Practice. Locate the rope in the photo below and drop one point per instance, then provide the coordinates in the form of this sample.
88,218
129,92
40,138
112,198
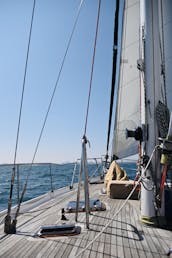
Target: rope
24,82
116,213
49,106
56,84
115,39
92,68
20,112
163,53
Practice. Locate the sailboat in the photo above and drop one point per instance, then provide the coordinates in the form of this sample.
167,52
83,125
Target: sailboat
143,97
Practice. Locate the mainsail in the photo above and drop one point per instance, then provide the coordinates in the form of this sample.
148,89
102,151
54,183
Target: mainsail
128,96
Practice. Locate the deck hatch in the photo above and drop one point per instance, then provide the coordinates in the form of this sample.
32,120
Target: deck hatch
95,205
59,230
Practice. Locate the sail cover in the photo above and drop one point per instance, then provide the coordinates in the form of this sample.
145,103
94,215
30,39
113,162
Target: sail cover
128,96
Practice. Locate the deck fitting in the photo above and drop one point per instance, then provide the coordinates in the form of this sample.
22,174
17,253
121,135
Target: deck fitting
10,227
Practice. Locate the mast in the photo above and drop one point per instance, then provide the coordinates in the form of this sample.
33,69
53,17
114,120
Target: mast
156,45
147,32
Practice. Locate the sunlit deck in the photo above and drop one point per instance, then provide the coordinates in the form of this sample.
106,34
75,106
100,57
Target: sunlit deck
125,237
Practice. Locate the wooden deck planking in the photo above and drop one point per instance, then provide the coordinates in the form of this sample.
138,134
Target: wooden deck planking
97,220
101,244
108,232
136,223
164,241
125,215
57,247
137,232
164,245
114,239
120,247
125,237
107,244
14,249
24,249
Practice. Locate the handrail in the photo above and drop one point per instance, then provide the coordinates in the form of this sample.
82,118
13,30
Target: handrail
75,169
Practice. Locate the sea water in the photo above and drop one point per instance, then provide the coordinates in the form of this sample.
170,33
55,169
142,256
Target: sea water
44,178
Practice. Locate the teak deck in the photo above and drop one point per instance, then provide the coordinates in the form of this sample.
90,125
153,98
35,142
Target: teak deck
125,237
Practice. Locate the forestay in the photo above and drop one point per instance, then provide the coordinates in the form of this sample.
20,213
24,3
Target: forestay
128,97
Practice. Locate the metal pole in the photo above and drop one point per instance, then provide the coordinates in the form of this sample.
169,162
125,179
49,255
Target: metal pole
18,184
96,162
78,192
86,189
73,176
51,179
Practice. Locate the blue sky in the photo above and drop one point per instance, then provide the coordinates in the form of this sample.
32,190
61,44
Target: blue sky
53,21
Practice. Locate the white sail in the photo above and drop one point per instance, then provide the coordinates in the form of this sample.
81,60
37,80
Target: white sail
128,99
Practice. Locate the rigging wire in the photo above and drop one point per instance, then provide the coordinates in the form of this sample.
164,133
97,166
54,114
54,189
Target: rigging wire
92,68
49,106
20,111
163,53
153,31
57,81
24,82
115,51
83,165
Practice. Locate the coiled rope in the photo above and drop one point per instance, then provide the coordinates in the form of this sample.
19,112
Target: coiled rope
125,202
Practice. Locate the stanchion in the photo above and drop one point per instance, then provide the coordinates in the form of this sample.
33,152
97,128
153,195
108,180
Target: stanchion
83,168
